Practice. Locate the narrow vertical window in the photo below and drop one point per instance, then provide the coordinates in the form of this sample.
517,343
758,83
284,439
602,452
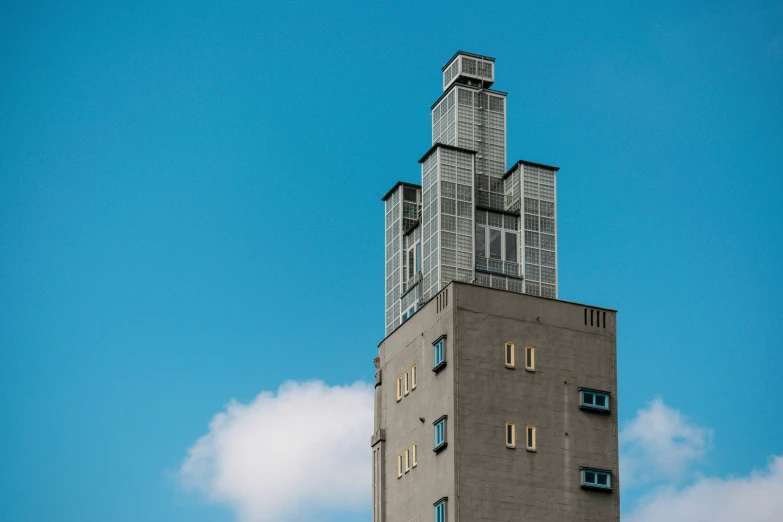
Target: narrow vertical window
440,433
481,242
511,247
509,355
413,377
494,244
530,358
414,455
438,353
399,389
407,383
530,443
591,317
440,511
399,465
407,460
418,257
511,436
604,314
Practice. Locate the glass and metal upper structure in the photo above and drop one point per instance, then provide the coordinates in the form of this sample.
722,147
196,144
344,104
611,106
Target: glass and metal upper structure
471,219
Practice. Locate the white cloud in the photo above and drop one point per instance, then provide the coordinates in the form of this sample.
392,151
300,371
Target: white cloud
755,498
660,444
297,455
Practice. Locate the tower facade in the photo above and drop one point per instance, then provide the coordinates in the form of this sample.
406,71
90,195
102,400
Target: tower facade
494,401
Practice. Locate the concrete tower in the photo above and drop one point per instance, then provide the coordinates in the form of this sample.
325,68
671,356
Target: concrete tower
494,401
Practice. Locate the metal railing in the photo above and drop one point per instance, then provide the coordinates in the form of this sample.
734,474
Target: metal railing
496,201
411,215
497,266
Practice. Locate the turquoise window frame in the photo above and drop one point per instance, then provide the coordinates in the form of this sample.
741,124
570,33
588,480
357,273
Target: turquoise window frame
438,355
585,395
440,511
591,478
440,432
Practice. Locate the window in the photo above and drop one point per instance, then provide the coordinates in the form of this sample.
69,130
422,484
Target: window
481,239
511,246
439,356
509,355
440,510
530,442
407,383
399,389
413,377
594,478
594,400
511,436
399,465
494,244
530,358
440,433
414,455
407,460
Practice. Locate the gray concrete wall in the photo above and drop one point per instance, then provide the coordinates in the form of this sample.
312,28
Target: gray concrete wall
495,483
411,497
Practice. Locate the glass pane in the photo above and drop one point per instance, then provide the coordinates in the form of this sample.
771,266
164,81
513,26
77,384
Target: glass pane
588,398
600,400
589,477
530,437
494,243
511,246
418,257
602,479
481,239
509,436
529,354
508,354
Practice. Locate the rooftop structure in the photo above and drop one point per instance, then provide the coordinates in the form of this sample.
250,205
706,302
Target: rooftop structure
471,219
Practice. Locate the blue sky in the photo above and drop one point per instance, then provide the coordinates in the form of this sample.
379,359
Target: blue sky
190,212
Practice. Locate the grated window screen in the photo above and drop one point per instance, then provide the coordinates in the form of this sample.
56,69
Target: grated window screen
531,239
531,222
547,242
496,103
464,226
547,225
464,209
547,258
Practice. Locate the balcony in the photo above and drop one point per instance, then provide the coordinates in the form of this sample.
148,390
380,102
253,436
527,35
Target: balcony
496,201
411,216
497,266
